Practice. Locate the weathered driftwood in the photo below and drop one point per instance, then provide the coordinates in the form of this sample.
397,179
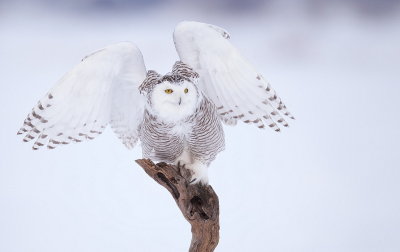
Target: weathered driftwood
198,203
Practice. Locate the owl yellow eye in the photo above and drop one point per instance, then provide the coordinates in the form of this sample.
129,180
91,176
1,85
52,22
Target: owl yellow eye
186,90
168,91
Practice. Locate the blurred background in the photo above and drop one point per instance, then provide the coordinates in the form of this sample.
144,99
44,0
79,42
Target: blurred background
330,182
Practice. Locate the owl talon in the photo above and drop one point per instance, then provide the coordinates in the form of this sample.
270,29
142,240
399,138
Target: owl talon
199,174
180,167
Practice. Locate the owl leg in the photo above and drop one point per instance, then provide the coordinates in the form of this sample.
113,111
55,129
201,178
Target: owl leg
184,159
198,169
180,166
200,173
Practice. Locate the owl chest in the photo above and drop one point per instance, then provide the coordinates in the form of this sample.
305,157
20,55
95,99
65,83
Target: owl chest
156,131
181,130
164,142
169,131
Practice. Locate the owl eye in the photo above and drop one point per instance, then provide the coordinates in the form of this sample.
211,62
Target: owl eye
168,91
186,90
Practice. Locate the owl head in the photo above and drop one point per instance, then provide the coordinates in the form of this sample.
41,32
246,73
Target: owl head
174,96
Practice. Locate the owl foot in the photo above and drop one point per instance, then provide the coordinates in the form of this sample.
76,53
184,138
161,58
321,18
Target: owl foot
182,170
199,173
195,173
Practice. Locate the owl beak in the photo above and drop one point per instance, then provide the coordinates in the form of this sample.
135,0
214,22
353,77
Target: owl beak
180,100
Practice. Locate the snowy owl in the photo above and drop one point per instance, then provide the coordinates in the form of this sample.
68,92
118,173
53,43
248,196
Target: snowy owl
177,117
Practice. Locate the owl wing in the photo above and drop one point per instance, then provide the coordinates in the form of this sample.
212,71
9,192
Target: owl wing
238,91
101,89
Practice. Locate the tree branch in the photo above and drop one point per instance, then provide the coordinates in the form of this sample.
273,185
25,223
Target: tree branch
198,203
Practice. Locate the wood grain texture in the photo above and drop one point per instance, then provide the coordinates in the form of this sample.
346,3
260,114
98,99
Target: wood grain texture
198,203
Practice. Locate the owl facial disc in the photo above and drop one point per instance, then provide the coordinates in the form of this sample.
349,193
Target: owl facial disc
174,101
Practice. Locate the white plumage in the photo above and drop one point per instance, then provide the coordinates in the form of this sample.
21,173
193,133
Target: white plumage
176,116
227,78
101,89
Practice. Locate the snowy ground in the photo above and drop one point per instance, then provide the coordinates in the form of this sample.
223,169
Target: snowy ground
328,183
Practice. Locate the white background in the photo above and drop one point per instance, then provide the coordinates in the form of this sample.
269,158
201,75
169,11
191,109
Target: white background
330,182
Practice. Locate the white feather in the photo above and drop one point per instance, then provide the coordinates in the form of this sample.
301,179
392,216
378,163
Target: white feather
226,77
101,89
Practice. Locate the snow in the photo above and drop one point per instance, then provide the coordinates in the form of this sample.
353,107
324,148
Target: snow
330,182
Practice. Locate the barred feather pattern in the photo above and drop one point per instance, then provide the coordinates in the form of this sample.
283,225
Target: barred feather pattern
182,69
157,142
101,89
37,127
201,134
206,138
239,92
152,79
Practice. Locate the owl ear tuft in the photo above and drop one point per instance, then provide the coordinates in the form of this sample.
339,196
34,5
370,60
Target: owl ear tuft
184,70
152,79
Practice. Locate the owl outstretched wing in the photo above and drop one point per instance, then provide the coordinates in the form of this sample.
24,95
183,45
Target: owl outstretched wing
238,91
102,89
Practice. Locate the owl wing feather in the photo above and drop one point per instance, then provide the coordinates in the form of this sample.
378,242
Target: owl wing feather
238,91
101,89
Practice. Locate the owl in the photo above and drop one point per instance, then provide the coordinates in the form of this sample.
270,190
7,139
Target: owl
177,117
